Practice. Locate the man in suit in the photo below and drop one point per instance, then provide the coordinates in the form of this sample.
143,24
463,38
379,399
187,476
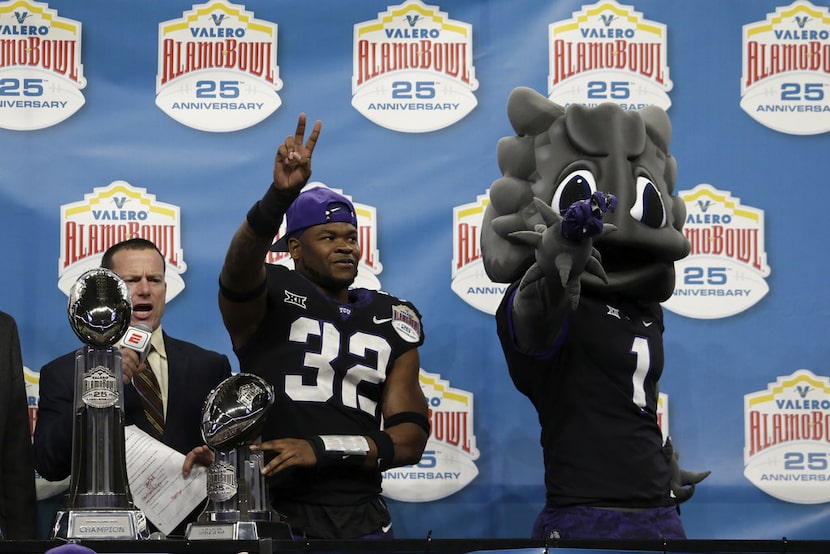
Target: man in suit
185,373
17,475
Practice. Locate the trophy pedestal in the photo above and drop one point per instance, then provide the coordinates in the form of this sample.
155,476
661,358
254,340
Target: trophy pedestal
238,507
238,530
101,525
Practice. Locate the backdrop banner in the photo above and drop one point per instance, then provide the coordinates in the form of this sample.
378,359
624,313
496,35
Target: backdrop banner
160,119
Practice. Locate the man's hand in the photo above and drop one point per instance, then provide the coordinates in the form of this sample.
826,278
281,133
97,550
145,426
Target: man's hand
292,164
288,453
201,455
129,365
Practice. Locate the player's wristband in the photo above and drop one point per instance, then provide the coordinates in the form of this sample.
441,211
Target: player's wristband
386,448
265,216
339,449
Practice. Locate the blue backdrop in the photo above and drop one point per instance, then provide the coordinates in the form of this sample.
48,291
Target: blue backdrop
410,184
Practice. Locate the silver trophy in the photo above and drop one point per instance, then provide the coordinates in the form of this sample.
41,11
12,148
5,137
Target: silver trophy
238,504
99,503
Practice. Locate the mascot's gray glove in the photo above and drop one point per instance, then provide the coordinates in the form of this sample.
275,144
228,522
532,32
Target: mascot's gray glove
682,482
564,244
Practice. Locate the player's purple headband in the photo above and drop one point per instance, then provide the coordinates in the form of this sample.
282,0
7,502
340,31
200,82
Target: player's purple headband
314,206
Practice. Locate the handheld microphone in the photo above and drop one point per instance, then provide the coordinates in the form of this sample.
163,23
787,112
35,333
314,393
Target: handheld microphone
137,338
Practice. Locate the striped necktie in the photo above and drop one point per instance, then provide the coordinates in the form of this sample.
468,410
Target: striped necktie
148,389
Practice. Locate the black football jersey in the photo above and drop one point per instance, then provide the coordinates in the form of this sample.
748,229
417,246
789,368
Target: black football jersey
328,363
596,396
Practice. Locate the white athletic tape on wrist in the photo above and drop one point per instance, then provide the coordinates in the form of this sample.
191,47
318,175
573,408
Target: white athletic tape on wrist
347,445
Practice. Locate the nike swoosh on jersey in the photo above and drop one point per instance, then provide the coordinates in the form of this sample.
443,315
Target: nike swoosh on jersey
647,323
385,528
379,320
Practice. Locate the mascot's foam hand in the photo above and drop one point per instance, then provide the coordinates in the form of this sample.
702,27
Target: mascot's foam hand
682,482
583,218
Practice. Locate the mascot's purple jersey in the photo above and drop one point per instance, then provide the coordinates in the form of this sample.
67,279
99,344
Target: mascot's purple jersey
597,400
584,226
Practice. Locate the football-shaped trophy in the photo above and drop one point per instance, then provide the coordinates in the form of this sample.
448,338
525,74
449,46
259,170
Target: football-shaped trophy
234,412
238,504
99,503
100,307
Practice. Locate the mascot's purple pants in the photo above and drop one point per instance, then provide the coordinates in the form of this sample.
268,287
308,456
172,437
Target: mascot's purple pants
582,522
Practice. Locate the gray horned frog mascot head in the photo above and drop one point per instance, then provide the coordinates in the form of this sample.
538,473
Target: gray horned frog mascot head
598,172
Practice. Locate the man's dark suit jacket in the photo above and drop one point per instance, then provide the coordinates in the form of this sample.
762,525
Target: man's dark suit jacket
18,503
192,373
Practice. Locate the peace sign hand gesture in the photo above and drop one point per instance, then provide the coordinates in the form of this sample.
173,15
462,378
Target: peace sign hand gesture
292,164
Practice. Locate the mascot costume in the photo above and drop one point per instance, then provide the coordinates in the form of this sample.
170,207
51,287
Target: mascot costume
583,226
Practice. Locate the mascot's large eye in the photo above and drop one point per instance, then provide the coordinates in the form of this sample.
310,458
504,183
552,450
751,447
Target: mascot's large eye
578,185
648,207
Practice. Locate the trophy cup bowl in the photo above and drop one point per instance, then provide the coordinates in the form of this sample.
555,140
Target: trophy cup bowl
100,307
234,412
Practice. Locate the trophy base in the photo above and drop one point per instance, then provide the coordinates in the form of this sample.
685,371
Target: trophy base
213,528
101,525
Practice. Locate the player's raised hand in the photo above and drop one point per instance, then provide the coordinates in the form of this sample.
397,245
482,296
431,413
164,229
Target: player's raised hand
292,164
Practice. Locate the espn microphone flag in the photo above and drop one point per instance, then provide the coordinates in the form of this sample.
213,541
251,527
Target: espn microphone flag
138,338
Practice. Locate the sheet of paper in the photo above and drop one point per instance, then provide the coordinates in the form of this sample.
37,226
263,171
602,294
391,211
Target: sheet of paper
156,482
